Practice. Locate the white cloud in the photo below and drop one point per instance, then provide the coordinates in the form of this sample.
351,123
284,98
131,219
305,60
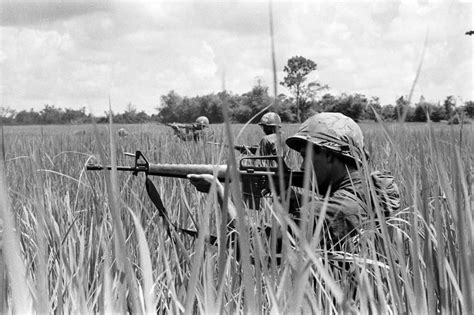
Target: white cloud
138,51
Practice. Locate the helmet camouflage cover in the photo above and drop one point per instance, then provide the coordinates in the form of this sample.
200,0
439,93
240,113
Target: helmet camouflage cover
332,131
202,120
270,119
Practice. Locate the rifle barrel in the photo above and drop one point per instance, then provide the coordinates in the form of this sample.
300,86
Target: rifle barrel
183,170
169,170
98,167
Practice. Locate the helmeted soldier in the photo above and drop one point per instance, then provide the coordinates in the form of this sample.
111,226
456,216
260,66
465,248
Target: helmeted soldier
202,122
271,143
195,131
334,145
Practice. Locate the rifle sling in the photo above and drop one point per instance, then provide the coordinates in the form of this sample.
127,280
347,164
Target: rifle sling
156,199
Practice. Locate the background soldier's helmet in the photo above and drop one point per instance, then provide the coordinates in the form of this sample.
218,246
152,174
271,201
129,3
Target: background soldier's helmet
202,120
332,131
270,119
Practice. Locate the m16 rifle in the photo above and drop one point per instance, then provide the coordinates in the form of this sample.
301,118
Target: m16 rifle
244,149
191,127
191,132
256,176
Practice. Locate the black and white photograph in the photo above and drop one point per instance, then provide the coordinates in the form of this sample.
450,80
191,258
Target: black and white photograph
236,156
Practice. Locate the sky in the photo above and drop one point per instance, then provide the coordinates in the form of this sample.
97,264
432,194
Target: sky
74,54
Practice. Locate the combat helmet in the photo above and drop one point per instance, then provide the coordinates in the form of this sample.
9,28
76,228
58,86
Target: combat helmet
332,131
270,119
203,121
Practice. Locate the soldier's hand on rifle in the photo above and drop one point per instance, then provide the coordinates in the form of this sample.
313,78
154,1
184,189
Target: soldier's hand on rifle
174,126
203,182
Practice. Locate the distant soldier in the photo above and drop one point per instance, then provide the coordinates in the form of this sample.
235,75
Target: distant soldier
195,131
123,133
79,133
271,143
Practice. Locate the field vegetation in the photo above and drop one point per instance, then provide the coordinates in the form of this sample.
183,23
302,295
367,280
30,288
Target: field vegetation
86,242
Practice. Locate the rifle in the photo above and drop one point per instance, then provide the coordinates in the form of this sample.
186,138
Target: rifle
193,126
257,173
244,149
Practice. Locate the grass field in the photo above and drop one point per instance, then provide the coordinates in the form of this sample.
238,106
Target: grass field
74,241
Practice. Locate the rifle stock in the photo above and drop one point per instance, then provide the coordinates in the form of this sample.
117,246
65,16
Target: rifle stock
255,173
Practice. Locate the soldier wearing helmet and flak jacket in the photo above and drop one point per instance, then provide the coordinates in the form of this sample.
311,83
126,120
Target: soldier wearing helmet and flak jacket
195,131
334,143
333,146
271,143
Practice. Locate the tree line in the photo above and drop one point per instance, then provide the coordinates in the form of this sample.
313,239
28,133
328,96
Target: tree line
307,99
176,108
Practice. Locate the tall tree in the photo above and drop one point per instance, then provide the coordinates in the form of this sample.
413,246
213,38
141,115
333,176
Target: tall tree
420,112
388,113
449,106
349,105
257,98
51,115
436,113
7,114
402,109
372,105
169,105
28,117
297,70
469,109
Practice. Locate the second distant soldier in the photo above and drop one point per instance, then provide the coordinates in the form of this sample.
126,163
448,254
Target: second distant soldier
271,143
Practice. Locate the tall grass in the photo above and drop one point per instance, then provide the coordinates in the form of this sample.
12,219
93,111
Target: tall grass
76,241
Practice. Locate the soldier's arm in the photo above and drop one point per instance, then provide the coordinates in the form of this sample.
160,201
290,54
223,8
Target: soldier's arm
342,213
265,147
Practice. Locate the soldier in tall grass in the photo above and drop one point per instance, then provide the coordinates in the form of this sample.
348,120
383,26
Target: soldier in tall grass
271,144
192,132
332,146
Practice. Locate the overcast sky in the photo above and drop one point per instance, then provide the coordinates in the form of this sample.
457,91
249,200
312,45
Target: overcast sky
75,54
